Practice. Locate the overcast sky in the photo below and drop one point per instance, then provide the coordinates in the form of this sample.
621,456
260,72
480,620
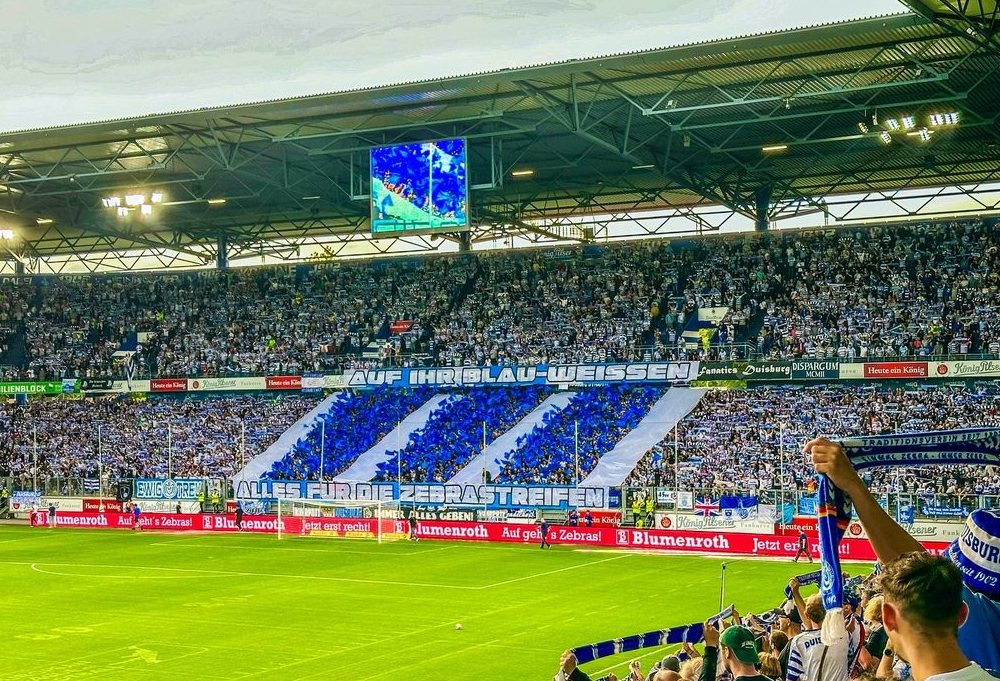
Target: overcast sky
73,61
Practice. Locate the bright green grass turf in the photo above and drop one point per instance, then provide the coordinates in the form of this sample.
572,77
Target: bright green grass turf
86,604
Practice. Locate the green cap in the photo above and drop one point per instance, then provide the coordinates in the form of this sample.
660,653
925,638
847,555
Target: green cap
741,641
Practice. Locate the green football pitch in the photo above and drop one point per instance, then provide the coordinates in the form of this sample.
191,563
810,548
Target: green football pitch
85,604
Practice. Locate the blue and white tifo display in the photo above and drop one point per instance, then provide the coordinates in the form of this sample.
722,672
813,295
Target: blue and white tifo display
420,187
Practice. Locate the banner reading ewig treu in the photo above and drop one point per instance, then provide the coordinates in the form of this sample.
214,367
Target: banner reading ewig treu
608,537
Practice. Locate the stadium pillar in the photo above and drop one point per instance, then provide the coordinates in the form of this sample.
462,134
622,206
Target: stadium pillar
18,268
465,242
762,199
222,252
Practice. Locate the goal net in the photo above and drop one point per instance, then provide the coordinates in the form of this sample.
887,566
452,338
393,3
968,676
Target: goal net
340,519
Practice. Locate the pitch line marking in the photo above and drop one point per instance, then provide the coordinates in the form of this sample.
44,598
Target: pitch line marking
34,566
393,652
233,573
178,544
552,572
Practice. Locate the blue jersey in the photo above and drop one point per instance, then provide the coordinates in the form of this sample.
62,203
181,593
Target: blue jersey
545,527
136,511
979,637
588,519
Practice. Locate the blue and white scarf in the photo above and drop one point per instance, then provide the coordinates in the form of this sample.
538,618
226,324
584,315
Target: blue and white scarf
970,446
803,580
689,633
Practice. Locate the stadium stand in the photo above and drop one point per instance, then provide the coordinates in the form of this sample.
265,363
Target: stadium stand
272,320
209,437
454,432
904,290
729,441
562,307
590,425
343,441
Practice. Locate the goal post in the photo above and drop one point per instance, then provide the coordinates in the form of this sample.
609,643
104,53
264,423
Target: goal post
340,519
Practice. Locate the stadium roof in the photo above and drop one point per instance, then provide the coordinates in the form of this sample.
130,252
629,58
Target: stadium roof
677,128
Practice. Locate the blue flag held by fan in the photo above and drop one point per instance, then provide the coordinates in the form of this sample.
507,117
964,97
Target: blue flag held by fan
970,446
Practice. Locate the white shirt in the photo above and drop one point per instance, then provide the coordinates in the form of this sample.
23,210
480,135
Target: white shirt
806,653
971,673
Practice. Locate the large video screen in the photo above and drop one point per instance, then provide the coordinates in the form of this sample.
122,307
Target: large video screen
420,187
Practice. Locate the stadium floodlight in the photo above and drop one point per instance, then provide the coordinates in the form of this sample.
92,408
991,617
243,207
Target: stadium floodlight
892,124
924,134
216,202
909,122
310,198
525,172
885,137
6,234
135,199
774,147
111,201
156,197
122,211
950,118
44,221
863,127
146,209
646,166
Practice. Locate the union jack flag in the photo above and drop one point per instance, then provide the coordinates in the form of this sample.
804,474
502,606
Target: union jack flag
706,506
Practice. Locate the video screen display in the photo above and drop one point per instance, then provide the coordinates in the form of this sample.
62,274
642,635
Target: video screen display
419,187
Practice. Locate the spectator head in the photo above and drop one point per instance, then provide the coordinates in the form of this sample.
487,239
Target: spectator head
769,666
977,553
738,651
671,662
666,675
791,623
691,669
779,640
815,611
851,603
873,611
922,603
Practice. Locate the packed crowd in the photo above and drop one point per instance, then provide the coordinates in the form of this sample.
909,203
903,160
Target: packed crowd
210,437
561,308
590,425
257,321
882,292
854,292
752,440
915,617
15,299
457,431
733,442
336,440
